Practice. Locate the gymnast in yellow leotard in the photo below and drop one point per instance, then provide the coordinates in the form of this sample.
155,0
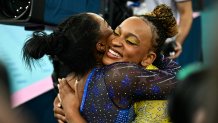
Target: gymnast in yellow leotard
151,111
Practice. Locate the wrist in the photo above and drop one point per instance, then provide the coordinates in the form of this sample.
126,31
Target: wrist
74,116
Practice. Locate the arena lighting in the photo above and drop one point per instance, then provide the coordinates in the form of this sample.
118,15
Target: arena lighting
21,12
15,9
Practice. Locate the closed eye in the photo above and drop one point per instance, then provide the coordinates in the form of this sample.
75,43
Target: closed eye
132,41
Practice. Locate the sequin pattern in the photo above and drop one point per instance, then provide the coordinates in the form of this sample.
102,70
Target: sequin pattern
151,112
112,91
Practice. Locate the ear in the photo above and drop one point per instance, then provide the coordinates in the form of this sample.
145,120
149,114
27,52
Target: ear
148,59
100,46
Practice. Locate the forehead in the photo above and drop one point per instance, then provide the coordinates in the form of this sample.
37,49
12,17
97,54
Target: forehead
135,23
97,17
103,24
136,26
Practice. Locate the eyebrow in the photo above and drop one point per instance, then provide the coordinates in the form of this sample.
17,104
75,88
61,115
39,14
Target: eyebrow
129,33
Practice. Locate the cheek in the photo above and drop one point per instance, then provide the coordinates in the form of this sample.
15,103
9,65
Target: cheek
135,50
107,33
136,54
106,61
110,38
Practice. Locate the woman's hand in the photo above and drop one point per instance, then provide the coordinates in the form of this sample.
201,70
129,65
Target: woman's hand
58,111
178,51
70,101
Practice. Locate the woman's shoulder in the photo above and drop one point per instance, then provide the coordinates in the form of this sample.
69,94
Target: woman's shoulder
123,65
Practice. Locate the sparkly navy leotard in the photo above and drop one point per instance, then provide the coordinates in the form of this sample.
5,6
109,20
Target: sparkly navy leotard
111,91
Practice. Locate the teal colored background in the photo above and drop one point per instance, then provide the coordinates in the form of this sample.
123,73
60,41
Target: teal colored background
209,32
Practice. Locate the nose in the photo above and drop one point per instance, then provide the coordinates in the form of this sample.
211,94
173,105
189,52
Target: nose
116,41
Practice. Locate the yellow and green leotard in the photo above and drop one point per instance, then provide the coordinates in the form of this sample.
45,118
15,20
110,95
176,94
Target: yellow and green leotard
151,111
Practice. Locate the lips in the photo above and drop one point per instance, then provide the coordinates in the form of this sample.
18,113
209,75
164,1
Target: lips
113,54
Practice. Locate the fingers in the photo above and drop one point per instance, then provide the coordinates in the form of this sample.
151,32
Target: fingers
60,118
66,93
59,111
57,101
64,89
178,51
70,100
72,82
62,83
59,114
175,55
64,86
60,121
58,96
76,88
76,85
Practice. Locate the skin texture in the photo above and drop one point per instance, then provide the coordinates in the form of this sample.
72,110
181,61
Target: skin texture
124,47
66,89
131,42
74,91
132,37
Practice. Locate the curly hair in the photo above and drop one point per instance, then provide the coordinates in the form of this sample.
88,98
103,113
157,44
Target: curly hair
163,25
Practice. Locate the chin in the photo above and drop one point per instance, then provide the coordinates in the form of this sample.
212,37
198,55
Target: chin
107,61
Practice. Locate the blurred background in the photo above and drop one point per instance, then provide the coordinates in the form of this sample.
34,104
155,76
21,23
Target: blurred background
32,91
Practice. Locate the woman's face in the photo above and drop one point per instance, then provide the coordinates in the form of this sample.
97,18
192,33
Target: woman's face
130,42
105,32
